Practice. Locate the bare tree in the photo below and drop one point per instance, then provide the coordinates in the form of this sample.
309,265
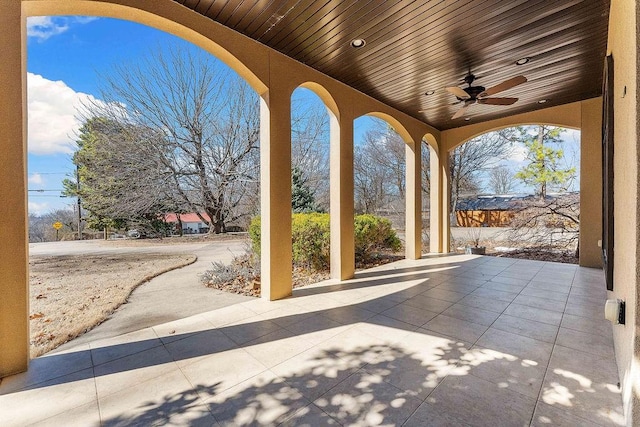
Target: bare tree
41,226
379,170
470,159
209,125
501,180
120,167
426,171
310,148
548,221
551,222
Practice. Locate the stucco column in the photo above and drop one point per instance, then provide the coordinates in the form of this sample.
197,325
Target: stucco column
445,196
14,278
439,201
413,212
341,182
275,194
591,183
435,202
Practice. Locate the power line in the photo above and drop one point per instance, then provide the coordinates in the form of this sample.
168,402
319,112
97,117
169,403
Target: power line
49,173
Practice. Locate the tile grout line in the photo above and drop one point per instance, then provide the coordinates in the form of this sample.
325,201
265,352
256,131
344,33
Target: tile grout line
457,363
95,385
546,369
480,337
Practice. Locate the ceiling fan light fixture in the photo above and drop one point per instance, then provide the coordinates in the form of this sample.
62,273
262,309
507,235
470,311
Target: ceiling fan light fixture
523,61
358,43
430,92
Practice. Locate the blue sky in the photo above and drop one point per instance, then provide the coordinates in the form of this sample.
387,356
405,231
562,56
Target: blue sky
64,57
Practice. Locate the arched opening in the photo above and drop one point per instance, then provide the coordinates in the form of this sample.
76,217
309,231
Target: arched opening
427,151
310,179
168,146
515,191
380,186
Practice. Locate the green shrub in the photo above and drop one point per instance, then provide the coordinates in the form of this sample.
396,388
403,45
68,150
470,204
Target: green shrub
310,238
254,234
373,233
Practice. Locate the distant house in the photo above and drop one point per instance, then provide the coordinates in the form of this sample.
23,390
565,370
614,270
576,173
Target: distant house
191,222
487,211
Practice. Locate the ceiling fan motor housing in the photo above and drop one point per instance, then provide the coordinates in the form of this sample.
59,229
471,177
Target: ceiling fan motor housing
473,92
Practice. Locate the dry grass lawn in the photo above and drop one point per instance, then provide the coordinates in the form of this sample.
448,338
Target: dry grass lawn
72,294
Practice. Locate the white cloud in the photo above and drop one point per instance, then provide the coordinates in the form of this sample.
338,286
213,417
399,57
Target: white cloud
519,153
570,137
38,208
53,107
44,27
36,179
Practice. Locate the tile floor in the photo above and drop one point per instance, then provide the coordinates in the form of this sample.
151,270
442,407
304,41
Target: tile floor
455,340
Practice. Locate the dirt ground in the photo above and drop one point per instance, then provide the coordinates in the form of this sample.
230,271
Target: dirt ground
72,294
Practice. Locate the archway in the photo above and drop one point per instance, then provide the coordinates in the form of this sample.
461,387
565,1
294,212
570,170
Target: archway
248,178
516,189
387,177
429,194
310,180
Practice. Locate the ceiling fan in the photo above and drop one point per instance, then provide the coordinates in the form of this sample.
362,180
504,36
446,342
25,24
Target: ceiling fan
478,94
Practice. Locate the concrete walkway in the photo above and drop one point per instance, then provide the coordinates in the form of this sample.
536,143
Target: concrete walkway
170,296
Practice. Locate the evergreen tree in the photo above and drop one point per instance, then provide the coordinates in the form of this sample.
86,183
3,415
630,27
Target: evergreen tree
118,174
544,168
302,199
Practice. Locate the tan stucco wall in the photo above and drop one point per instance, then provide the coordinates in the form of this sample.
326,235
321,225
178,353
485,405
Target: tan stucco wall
14,291
623,46
591,183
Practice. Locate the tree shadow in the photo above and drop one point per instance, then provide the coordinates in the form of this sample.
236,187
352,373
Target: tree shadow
332,387
385,384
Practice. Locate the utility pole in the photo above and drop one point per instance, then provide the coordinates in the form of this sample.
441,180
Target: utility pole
79,203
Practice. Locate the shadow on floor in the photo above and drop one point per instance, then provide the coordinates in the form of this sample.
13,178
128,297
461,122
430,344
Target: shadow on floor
424,378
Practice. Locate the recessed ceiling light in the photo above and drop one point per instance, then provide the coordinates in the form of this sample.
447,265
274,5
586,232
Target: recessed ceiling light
523,61
466,119
358,43
430,92
542,101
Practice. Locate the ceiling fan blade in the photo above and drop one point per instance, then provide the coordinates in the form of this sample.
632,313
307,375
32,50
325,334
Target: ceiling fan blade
457,92
462,110
497,101
507,84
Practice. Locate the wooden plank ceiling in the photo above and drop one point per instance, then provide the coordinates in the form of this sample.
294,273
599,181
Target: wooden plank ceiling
413,47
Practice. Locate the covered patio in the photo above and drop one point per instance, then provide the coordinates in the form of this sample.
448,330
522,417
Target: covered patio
444,340
440,339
